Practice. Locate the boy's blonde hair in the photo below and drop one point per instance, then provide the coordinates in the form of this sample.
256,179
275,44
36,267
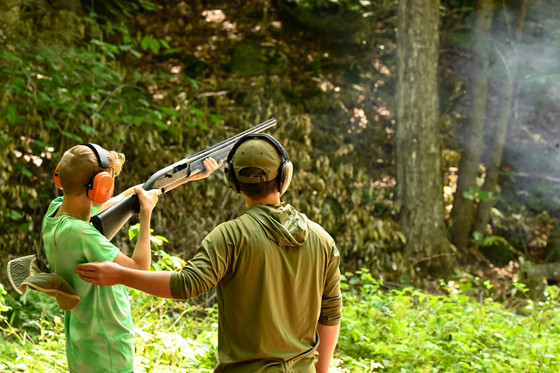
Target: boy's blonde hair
79,164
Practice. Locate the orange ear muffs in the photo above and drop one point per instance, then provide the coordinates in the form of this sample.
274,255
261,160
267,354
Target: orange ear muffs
56,178
101,187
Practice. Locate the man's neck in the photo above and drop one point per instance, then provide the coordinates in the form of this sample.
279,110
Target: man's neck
270,199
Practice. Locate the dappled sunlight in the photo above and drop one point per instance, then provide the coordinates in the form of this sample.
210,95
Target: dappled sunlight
37,161
382,68
385,182
176,69
218,17
28,156
214,16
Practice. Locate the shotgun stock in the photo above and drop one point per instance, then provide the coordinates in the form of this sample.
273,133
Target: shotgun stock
111,220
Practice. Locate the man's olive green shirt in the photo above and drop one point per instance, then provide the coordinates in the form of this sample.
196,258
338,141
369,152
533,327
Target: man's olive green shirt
276,275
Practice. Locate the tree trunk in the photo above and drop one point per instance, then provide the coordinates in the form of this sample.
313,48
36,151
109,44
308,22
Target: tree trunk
418,150
491,180
463,209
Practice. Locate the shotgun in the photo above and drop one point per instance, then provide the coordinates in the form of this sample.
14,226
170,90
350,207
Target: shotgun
111,220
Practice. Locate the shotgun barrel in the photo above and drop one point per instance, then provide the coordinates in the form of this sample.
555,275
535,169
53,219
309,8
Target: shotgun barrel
111,220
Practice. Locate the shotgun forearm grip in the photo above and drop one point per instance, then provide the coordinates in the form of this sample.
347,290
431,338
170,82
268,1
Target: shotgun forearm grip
110,221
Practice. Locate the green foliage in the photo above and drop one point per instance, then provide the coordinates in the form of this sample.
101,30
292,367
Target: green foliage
496,248
153,44
333,190
405,329
31,333
3,306
23,310
401,329
173,334
477,194
57,93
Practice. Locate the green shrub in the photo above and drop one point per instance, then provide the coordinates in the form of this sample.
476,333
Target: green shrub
405,329
398,330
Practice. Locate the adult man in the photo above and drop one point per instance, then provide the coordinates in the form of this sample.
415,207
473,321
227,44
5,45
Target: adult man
276,272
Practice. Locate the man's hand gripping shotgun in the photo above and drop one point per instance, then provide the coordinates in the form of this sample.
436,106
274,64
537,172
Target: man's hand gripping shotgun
111,220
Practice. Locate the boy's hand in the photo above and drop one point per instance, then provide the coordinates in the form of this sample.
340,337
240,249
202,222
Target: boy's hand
104,273
148,198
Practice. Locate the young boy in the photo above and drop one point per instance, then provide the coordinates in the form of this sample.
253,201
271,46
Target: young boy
99,330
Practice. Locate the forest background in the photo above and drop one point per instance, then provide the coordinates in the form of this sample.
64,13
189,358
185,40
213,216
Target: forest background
159,80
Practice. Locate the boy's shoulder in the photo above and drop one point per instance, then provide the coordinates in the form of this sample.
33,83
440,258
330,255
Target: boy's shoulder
53,206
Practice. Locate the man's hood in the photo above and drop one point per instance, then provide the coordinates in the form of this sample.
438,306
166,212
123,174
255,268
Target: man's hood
283,224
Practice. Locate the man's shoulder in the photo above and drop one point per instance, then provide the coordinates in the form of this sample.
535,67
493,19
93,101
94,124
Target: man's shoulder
319,230
241,220
239,224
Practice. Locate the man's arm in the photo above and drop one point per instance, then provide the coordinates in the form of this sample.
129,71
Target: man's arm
110,273
328,326
328,337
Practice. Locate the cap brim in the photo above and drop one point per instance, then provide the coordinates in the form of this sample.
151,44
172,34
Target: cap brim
30,271
21,268
55,286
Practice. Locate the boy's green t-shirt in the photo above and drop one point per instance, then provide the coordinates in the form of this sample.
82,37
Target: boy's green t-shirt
99,331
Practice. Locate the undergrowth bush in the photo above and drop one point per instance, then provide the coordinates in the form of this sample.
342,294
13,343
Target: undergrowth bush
407,330
383,330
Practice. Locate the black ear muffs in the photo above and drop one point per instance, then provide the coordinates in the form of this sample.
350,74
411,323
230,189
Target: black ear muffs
285,170
101,185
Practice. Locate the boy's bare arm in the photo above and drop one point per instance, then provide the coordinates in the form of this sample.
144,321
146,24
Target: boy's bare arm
110,273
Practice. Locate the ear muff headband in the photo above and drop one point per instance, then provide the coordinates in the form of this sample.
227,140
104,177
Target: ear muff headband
101,185
100,154
285,170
